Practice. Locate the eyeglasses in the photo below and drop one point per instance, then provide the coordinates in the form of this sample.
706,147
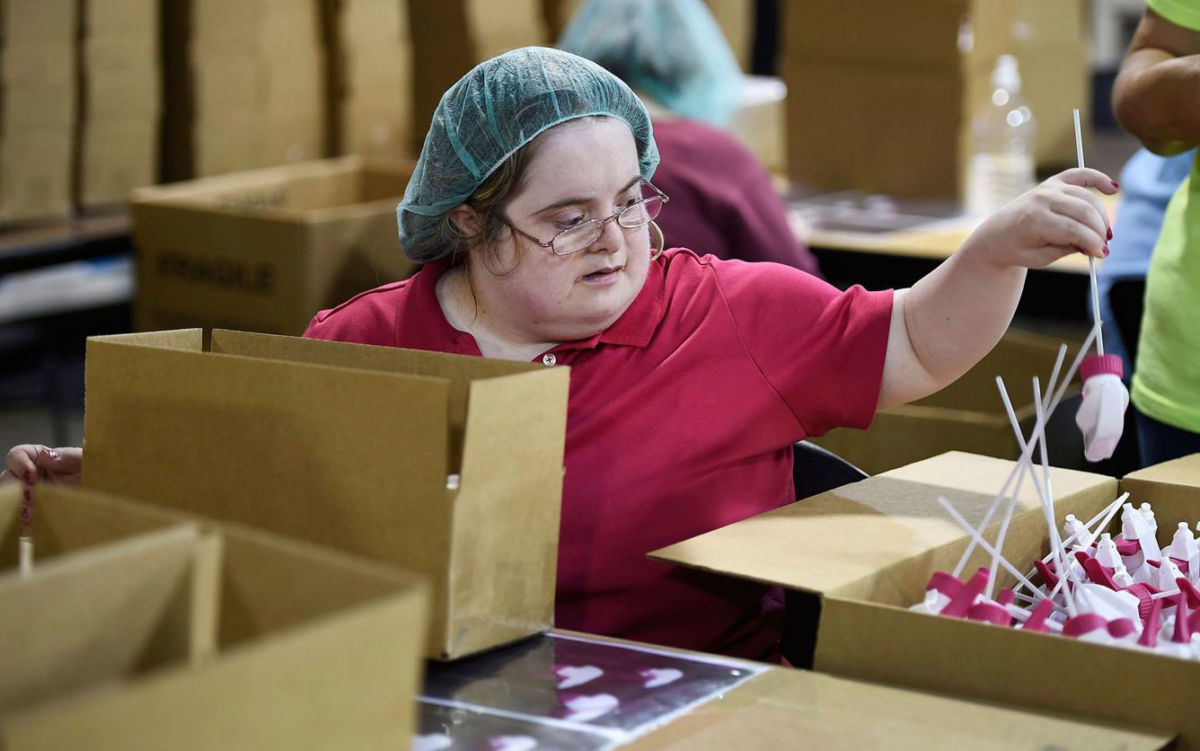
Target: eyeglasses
574,239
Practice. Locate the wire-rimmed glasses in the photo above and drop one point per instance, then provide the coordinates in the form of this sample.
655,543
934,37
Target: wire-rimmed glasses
574,239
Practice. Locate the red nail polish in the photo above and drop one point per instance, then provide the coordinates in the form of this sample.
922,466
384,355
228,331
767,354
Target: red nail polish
1110,234
1116,185
1105,250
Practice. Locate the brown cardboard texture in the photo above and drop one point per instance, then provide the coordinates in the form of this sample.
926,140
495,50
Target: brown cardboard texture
967,415
37,109
265,250
206,638
121,92
451,37
245,85
882,94
372,91
350,447
792,708
868,550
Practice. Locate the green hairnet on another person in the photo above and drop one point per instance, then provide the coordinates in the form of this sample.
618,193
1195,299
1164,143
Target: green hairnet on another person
494,110
670,50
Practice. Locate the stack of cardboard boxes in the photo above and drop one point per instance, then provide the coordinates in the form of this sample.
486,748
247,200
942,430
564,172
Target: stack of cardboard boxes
372,70
881,94
37,108
121,84
245,83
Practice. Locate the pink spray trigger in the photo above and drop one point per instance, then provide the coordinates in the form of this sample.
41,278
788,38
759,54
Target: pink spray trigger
1128,548
1121,628
1151,625
1083,624
1048,576
1189,589
1101,415
1037,619
1097,573
990,612
945,584
962,602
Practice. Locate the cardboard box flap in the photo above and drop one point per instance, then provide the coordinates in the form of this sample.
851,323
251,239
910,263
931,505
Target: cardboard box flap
831,542
1173,491
101,615
460,371
520,567
290,191
61,524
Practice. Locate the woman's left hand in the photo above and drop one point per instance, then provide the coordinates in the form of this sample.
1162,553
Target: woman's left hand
1059,217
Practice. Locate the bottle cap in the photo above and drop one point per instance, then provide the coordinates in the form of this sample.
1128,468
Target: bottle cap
1099,364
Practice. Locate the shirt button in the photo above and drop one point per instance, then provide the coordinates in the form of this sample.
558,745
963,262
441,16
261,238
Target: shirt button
548,360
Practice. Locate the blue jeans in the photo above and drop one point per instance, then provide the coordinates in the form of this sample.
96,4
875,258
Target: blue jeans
1160,442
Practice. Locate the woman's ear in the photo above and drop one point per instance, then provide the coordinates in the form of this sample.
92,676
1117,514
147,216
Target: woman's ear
467,220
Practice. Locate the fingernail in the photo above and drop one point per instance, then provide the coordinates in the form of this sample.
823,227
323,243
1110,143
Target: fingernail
54,454
1116,185
1105,250
1110,234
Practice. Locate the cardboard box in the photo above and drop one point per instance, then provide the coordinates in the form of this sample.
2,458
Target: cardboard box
350,447
793,708
760,122
882,94
265,250
451,37
245,85
37,109
868,549
201,637
121,85
968,415
371,89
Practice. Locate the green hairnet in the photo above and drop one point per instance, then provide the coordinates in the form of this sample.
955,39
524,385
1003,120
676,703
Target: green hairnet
672,50
494,110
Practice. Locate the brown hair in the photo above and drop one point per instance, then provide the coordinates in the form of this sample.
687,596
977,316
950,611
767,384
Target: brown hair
489,201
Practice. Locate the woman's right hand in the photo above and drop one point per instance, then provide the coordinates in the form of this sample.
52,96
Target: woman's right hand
32,463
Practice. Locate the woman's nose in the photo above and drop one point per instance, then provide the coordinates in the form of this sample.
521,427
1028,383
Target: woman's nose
610,238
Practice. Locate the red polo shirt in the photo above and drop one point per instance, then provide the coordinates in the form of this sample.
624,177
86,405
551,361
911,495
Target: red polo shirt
680,420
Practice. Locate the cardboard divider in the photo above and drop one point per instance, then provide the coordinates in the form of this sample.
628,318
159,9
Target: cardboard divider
206,637
891,536
264,250
285,434
100,616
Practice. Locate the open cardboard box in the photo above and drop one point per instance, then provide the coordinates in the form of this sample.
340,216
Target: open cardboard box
967,415
795,708
868,549
199,637
265,250
350,447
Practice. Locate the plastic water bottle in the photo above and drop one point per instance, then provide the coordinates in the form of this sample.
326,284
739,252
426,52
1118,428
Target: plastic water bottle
1002,142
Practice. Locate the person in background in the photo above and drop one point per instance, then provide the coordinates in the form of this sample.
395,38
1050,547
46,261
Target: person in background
1156,97
674,55
1147,183
532,210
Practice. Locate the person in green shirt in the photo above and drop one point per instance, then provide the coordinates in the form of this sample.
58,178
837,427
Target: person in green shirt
1156,97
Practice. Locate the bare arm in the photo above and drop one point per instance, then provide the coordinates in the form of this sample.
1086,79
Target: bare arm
954,316
1156,96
